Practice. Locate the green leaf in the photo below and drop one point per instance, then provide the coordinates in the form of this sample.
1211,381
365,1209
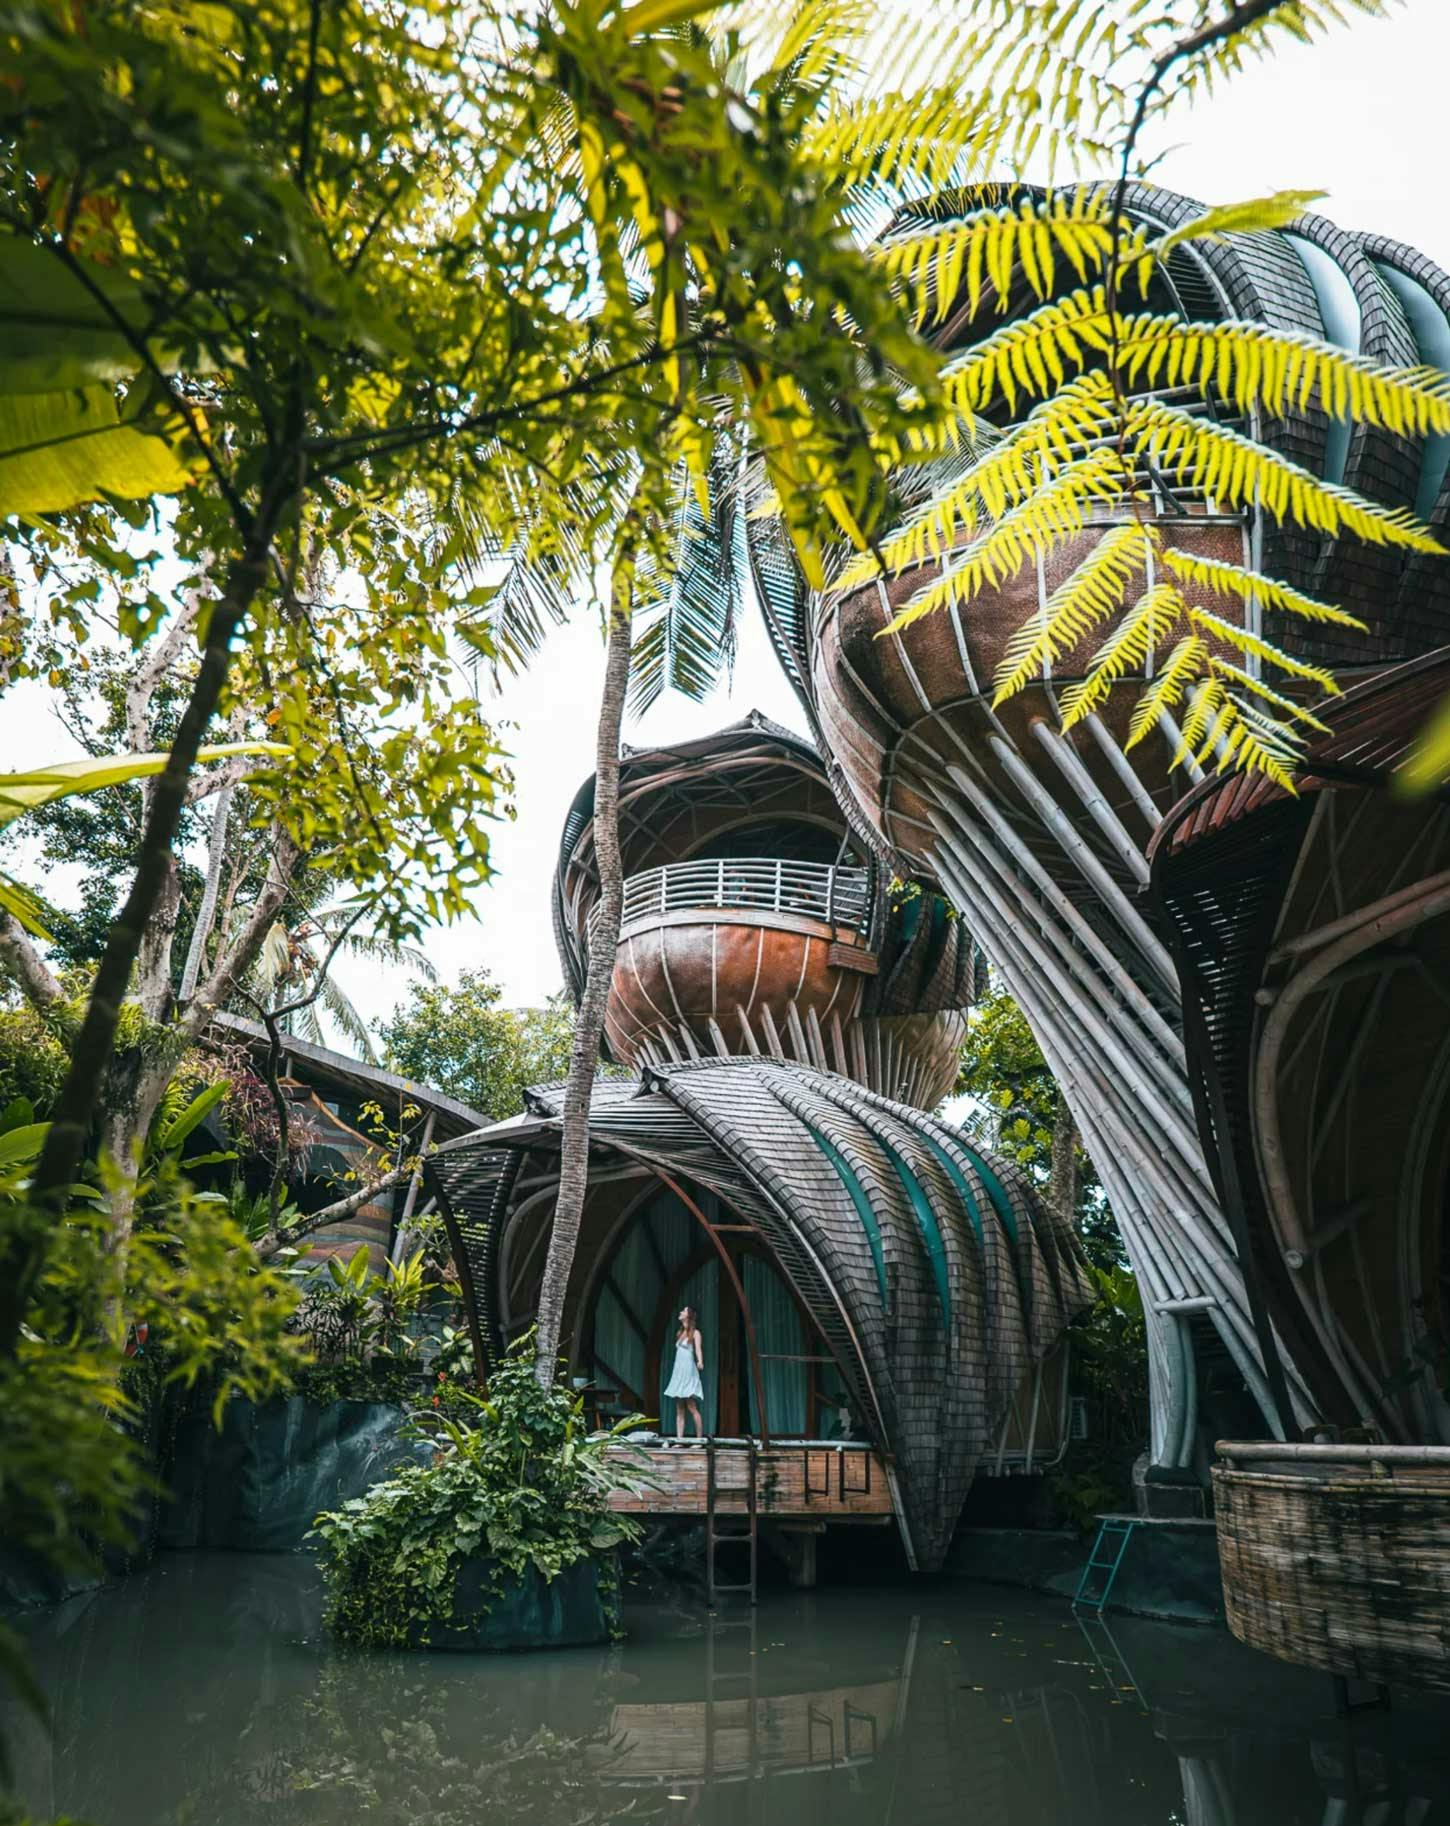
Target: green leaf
22,1144
55,333
195,1113
61,450
24,792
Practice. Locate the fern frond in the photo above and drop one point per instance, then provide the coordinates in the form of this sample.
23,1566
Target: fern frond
1239,472
1052,513
1090,596
1240,584
1146,626
909,141
1251,364
1051,438
1248,642
1225,668
1185,663
1202,709
990,246
1255,744
1030,355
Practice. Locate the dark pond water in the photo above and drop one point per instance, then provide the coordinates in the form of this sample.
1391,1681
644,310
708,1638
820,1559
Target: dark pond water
203,1693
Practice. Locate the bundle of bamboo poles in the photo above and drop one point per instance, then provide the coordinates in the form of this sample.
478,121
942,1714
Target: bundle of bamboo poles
1338,1557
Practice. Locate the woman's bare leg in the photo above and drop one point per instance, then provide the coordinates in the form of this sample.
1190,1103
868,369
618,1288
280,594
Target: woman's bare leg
694,1409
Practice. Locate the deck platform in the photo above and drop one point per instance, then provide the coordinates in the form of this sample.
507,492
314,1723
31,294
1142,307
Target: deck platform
796,1480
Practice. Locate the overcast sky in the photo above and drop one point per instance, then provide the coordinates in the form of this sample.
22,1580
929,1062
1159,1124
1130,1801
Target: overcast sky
1361,117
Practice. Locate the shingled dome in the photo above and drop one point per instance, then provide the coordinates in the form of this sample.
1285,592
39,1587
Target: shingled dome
892,1273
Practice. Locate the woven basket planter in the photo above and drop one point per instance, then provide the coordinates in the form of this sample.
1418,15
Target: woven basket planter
1338,1557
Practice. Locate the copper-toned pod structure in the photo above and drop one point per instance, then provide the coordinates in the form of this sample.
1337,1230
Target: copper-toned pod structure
755,923
1039,835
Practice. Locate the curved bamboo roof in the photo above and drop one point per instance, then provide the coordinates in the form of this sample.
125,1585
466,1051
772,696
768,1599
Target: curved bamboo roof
934,1273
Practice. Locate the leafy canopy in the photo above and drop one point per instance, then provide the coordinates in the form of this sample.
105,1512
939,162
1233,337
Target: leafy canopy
460,1039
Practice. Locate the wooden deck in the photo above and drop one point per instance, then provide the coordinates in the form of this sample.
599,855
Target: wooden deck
800,1481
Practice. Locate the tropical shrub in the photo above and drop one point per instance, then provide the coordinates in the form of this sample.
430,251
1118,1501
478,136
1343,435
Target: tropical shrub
522,1485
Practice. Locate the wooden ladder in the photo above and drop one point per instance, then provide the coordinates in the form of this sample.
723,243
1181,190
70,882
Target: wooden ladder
716,1537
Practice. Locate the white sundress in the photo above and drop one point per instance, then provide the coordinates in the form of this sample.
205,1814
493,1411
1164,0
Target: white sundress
685,1384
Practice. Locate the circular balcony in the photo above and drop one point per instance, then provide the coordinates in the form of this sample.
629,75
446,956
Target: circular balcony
765,890
739,955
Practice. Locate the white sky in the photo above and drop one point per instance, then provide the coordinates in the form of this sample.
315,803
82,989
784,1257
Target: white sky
1361,116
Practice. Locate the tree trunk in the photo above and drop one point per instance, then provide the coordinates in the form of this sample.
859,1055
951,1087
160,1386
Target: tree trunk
1062,1185
23,1249
206,912
588,1030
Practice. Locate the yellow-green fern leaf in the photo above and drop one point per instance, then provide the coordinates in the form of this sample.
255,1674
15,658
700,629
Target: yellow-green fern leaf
1246,641
1007,474
1226,669
1203,706
1240,584
1053,513
1185,663
1093,594
1031,355
1235,471
1428,765
1251,365
1145,627
990,247
1252,216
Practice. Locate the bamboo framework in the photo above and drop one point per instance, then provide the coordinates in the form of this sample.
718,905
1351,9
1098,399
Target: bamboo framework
1040,836
1314,944
936,1281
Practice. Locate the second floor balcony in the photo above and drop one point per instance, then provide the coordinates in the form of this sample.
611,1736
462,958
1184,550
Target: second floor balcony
760,890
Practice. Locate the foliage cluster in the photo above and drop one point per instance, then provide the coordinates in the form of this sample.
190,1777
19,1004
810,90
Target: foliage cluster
1002,1067
522,1484
460,1040
1110,1371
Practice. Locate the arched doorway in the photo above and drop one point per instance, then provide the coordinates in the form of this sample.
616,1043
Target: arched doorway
659,1262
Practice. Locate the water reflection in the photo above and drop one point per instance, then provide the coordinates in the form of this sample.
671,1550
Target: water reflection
203,1691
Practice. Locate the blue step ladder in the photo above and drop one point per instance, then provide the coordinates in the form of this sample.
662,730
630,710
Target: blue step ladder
1114,1533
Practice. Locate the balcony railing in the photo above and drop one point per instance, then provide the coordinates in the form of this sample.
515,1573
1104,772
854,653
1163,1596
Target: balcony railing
838,897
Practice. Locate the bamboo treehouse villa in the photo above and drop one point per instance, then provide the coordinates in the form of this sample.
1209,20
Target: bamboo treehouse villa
883,1303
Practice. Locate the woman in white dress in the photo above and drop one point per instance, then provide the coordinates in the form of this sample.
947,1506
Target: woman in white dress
685,1388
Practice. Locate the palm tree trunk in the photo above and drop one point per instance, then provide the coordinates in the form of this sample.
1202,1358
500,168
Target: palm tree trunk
584,1058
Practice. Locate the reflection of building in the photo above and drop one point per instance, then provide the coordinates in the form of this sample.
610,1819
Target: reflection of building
1039,835
1313,936
863,1271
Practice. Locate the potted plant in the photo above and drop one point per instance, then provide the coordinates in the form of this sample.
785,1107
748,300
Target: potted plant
505,1540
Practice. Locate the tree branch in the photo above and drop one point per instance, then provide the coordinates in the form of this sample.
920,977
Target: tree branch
220,984
27,966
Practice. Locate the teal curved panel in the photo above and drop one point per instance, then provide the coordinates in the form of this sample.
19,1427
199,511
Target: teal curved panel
781,1340
857,1193
930,1229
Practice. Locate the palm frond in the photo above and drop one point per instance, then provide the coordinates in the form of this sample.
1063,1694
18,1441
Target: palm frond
1251,216
1031,355
1145,627
339,1006
1093,594
689,600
